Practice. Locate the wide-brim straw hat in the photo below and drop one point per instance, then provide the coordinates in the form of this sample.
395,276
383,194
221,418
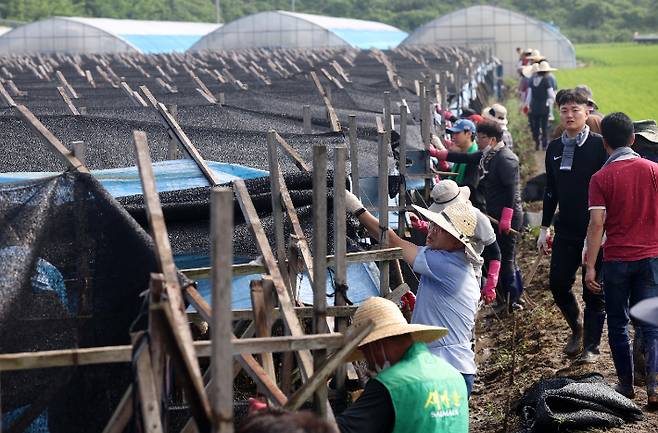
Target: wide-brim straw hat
458,219
544,66
447,192
647,129
389,322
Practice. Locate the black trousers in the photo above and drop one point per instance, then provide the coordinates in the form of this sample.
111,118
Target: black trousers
565,262
539,125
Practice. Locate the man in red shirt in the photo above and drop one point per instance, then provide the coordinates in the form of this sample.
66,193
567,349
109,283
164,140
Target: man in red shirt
623,201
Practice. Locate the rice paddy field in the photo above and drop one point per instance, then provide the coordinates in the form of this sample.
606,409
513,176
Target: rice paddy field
623,77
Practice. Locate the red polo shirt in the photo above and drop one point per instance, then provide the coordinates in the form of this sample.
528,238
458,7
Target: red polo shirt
628,191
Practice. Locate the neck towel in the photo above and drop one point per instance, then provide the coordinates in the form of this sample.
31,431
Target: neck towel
570,147
621,154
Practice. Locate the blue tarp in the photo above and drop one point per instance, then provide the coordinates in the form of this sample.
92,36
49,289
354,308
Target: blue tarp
362,280
173,175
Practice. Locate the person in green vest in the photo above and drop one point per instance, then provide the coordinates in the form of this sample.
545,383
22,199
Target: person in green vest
413,391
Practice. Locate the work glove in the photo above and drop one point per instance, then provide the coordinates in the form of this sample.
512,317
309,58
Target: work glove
418,223
352,203
488,292
545,241
441,155
436,142
505,223
408,301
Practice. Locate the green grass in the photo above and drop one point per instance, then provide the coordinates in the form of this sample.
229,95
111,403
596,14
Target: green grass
623,77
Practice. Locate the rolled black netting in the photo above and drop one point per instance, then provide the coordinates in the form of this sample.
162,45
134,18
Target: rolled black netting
74,264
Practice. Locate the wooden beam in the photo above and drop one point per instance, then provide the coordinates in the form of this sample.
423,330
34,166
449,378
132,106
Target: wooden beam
306,118
65,84
48,138
207,96
247,361
122,414
6,97
68,102
384,140
180,327
261,302
148,396
331,113
290,318
296,157
221,325
353,337
354,155
277,210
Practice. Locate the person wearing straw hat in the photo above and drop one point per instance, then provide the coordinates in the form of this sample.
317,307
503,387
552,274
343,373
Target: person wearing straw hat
623,201
498,113
448,292
413,390
539,103
499,184
447,192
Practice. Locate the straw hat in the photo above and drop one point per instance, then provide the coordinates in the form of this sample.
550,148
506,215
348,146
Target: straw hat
458,219
447,192
544,66
536,56
389,322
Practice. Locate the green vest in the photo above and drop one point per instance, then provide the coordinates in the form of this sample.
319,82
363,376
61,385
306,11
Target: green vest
428,394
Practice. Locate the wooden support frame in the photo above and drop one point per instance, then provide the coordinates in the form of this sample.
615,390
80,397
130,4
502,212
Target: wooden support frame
221,234
384,139
261,291
65,84
67,101
296,157
331,113
289,316
402,192
6,97
353,337
354,155
48,138
176,313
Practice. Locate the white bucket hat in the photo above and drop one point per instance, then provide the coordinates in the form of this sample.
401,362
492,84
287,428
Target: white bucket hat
458,219
497,113
389,322
447,192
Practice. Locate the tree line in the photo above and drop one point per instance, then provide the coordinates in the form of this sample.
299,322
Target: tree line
581,21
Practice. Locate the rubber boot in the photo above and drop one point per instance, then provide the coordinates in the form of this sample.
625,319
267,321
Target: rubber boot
651,356
623,360
639,364
592,329
571,312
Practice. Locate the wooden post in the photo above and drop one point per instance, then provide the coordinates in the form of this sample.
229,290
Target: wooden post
68,102
6,97
277,209
221,233
148,396
261,294
402,194
354,155
319,265
307,119
383,194
172,148
340,250
65,84
79,150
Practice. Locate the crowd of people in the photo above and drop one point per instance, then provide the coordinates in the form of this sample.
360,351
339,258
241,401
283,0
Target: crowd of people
600,175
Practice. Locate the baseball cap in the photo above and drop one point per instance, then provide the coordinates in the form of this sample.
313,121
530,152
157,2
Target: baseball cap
462,125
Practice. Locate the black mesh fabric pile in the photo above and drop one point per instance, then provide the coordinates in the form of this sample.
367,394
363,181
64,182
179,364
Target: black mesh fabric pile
566,404
73,265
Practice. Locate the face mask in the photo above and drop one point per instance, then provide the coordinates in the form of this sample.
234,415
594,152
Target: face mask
387,363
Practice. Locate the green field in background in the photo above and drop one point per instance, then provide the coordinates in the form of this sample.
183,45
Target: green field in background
623,77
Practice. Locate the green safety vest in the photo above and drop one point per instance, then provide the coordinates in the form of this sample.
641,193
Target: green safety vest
428,394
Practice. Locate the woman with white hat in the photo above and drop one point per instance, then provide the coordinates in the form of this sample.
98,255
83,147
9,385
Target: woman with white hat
413,390
539,102
448,292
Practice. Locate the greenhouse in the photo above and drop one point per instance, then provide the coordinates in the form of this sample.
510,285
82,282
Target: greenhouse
102,35
4,30
295,30
502,29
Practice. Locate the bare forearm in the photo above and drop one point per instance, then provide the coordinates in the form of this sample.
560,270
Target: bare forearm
594,237
372,225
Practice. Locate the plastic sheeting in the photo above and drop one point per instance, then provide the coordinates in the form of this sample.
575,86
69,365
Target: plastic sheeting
169,176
